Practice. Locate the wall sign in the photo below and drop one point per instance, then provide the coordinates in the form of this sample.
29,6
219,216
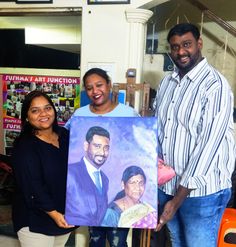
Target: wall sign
64,92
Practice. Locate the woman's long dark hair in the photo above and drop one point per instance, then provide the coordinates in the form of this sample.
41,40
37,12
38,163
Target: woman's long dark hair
26,128
127,174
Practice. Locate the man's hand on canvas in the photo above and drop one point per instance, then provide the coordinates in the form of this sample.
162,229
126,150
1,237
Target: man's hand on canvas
168,213
172,206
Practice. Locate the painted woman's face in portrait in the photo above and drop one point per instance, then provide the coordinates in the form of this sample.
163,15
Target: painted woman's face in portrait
41,114
135,187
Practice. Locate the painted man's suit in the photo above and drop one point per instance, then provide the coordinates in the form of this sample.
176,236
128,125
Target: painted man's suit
84,204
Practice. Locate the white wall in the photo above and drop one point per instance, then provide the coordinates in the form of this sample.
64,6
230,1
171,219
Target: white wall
105,38
105,31
105,34
153,69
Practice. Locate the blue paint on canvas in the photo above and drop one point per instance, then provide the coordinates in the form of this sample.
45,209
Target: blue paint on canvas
133,142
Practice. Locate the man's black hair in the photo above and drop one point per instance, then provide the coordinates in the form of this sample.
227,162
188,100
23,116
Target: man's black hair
183,28
96,130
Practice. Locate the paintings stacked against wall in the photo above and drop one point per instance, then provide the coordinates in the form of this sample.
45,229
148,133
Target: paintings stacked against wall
64,92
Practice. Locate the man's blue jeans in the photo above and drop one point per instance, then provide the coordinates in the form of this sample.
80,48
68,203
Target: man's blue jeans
197,221
115,236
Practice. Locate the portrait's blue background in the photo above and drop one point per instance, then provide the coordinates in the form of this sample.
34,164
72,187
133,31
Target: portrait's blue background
133,141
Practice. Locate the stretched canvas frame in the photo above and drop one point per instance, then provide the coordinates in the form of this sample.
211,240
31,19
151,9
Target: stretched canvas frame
133,142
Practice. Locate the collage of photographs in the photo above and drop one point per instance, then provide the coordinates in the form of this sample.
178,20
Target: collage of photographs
65,96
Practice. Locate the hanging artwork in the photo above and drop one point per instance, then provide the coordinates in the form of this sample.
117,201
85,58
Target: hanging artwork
33,1
112,172
108,1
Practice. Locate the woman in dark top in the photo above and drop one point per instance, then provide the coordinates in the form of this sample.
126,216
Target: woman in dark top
40,167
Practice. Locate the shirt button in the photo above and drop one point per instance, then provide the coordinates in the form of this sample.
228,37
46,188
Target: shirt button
168,119
172,101
164,154
165,137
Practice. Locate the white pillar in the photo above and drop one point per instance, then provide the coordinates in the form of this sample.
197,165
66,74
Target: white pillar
137,19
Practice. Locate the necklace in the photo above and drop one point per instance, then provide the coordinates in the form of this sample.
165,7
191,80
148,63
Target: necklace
126,204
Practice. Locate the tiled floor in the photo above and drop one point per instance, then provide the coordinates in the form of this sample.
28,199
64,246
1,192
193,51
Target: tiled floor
8,242
8,237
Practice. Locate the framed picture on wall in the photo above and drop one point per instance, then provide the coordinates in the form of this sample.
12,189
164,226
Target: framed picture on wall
34,1
108,1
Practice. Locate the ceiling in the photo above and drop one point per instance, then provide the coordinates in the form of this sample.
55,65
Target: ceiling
214,17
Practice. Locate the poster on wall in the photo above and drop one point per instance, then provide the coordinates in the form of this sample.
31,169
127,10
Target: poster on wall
112,172
64,92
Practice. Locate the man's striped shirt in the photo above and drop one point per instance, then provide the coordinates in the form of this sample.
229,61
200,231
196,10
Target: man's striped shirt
195,130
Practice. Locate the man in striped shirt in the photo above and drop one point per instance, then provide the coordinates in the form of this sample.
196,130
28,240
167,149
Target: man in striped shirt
194,106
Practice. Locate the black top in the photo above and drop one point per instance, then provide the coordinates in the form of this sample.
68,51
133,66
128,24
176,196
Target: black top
40,171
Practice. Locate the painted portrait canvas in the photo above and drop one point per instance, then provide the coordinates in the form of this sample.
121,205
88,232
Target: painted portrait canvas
112,172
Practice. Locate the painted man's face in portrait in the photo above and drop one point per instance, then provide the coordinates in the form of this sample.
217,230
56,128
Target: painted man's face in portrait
97,150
